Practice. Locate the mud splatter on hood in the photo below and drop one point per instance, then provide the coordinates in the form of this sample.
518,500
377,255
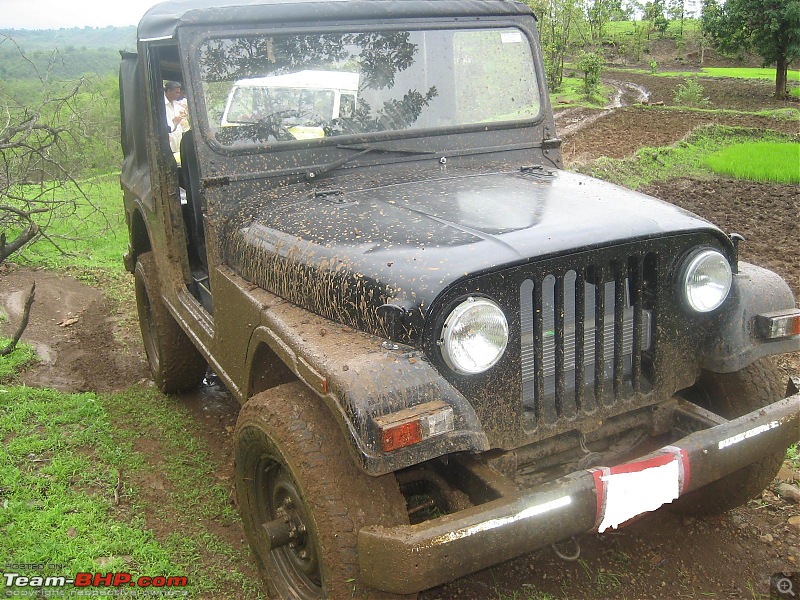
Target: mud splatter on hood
344,253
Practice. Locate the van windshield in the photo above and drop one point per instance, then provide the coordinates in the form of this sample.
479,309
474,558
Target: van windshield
271,89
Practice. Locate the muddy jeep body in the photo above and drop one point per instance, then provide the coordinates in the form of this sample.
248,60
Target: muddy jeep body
325,267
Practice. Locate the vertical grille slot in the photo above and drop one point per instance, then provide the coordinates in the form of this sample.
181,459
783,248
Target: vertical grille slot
537,350
580,335
599,335
635,276
584,332
558,336
620,283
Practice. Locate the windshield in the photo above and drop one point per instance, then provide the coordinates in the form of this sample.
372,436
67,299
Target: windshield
269,89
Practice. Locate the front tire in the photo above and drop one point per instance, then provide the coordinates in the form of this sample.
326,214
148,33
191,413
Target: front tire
174,361
293,466
732,395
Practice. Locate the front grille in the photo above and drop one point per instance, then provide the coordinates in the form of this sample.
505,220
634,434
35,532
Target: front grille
586,333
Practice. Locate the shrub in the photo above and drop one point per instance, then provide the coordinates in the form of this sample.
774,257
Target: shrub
591,65
691,93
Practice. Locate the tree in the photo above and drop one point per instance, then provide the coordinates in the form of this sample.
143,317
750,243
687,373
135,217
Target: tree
770,28
654,12
676,9
598,13
43,131
556,21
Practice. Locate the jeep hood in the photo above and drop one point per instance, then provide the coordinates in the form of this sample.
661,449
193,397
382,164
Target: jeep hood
343,254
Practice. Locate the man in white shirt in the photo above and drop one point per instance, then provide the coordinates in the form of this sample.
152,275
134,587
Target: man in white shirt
175,112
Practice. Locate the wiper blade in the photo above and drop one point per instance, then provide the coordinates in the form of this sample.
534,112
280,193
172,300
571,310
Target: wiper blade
321,170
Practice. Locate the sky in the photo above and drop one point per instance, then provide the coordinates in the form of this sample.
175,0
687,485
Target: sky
52,14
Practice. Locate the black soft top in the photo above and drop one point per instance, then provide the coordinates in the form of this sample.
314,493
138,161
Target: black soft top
163,20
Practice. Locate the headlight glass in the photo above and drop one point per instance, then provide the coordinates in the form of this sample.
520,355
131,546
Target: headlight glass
707,280
474,336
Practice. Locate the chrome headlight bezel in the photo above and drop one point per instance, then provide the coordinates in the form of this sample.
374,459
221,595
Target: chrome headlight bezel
455,338
705,280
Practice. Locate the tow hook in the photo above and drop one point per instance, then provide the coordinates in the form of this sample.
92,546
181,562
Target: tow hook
567,557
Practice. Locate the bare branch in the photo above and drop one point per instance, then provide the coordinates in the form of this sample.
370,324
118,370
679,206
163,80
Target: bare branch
24,213
26,313
23,238
43,190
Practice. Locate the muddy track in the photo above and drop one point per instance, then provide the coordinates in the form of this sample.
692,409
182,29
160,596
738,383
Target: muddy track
572,120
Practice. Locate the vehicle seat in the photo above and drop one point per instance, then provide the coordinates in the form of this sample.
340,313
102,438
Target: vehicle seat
191,179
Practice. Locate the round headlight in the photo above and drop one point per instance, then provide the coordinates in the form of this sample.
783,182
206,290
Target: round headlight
474,336
707,280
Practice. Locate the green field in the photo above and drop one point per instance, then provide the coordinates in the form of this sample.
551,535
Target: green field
736,73
688,158
614,29
764,161
59,468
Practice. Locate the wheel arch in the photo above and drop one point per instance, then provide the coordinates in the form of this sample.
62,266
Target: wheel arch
267,370
138,239
358,381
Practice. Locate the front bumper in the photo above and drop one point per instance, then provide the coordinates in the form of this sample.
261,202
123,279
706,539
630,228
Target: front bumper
411,558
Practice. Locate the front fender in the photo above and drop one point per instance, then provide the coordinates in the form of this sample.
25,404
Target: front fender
735,342
361,378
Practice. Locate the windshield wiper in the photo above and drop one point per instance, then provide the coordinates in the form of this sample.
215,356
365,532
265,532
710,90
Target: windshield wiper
322,169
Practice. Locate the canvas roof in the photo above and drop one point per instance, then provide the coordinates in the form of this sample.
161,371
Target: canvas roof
163,20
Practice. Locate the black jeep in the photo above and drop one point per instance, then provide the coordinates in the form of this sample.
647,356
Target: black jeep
449,351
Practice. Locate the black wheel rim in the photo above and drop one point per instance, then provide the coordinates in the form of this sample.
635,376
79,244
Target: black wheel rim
295,564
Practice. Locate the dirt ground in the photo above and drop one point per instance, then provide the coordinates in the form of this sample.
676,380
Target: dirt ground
663,555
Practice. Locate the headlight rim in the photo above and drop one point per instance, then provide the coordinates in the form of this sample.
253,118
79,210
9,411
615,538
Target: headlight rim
457,309
689,264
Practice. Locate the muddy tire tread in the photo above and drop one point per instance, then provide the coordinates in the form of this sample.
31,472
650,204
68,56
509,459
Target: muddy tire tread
732,395
180,366
340,496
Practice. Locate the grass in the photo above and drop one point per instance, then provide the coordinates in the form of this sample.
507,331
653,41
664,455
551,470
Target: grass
687,158
733,72
90,240
748,73
59,467
793,456
764,161
90,236
198,501
614,29
61,460
572,94
23,356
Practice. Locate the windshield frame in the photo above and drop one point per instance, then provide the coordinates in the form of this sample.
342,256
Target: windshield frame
194,38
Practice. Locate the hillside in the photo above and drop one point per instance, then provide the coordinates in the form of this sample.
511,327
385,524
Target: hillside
123,38
76,51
